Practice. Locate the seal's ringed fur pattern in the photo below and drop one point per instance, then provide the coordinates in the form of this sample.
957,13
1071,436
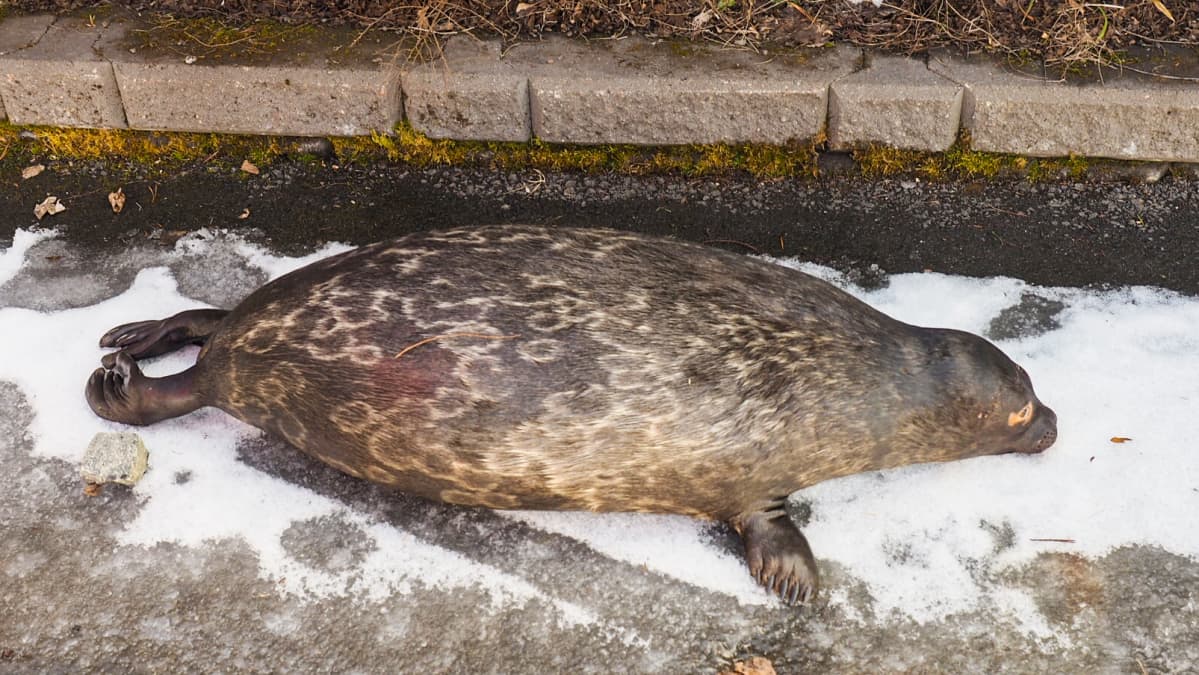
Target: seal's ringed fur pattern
536,368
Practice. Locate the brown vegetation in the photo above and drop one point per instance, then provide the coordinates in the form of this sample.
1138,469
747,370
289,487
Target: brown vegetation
1061,32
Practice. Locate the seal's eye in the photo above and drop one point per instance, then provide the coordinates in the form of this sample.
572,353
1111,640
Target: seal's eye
1021,417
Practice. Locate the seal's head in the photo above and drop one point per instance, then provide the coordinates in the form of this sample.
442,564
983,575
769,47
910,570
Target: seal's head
957,396
998,393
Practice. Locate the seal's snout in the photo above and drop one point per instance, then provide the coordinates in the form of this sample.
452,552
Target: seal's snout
1047,425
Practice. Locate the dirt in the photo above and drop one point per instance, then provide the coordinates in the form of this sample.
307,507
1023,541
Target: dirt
1059,33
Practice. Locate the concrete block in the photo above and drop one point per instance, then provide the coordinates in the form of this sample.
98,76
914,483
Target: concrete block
469,93
60,78
22,32
302,90
17,33
635,91
1126,116
897,102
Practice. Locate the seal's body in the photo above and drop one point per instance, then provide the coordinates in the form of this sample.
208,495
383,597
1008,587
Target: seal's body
521,367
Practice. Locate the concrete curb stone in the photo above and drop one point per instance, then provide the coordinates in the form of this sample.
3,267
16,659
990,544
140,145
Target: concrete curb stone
71,72
897,101
60,79
636,91
1124,117
310,92
17,33
470,93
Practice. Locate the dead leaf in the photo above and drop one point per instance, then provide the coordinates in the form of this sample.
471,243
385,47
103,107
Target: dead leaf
755,665
249,168
1161,7
48,207
1120,439
702,19
522,7
244,214
31,171
117,200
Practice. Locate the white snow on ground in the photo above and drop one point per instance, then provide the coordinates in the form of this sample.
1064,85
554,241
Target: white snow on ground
1124,363
12,258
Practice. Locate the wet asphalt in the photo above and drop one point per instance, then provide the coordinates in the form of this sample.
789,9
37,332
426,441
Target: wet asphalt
1074,233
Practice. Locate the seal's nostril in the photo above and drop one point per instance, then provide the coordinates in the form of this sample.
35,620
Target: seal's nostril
1046,440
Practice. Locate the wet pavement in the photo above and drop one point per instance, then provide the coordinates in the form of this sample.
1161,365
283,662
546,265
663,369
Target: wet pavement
1052,233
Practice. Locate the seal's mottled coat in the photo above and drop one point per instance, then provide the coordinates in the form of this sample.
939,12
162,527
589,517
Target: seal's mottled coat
524,367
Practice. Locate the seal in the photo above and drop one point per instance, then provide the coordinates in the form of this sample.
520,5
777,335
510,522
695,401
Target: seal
524,367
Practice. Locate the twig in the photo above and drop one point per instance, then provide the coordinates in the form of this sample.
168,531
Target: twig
482,336
1058,541
751,247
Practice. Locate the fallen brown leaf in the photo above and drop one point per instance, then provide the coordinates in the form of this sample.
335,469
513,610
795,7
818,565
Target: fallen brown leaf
117,200
1120,439
756,665
244,214
48,207
249,167
31,171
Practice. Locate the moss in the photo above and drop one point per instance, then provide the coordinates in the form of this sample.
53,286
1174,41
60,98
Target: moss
961,160
680,48
875,161
140,151
212,37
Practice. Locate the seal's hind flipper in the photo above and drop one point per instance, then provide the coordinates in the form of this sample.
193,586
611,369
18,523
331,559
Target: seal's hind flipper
145,339
778,555
123,394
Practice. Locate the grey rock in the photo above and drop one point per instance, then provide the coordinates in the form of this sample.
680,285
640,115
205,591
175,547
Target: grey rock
114,458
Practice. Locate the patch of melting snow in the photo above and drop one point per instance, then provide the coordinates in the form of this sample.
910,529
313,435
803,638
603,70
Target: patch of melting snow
1123,363
13,257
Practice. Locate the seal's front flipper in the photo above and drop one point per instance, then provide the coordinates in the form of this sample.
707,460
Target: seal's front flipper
123,394
146,339
778,555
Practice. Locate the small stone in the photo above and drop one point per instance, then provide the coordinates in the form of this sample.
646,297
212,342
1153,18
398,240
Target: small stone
1149,172
317,147
114,458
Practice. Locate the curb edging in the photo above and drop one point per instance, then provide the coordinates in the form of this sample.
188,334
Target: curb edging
69,72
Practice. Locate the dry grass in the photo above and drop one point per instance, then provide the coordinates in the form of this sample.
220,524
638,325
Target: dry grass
1062,33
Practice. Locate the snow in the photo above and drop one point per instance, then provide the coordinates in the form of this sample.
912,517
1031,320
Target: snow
1123,363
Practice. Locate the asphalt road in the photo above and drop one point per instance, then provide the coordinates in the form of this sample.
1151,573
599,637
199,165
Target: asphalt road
1074,233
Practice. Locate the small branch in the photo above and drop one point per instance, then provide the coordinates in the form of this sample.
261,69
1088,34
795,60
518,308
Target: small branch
751,247
1057,541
